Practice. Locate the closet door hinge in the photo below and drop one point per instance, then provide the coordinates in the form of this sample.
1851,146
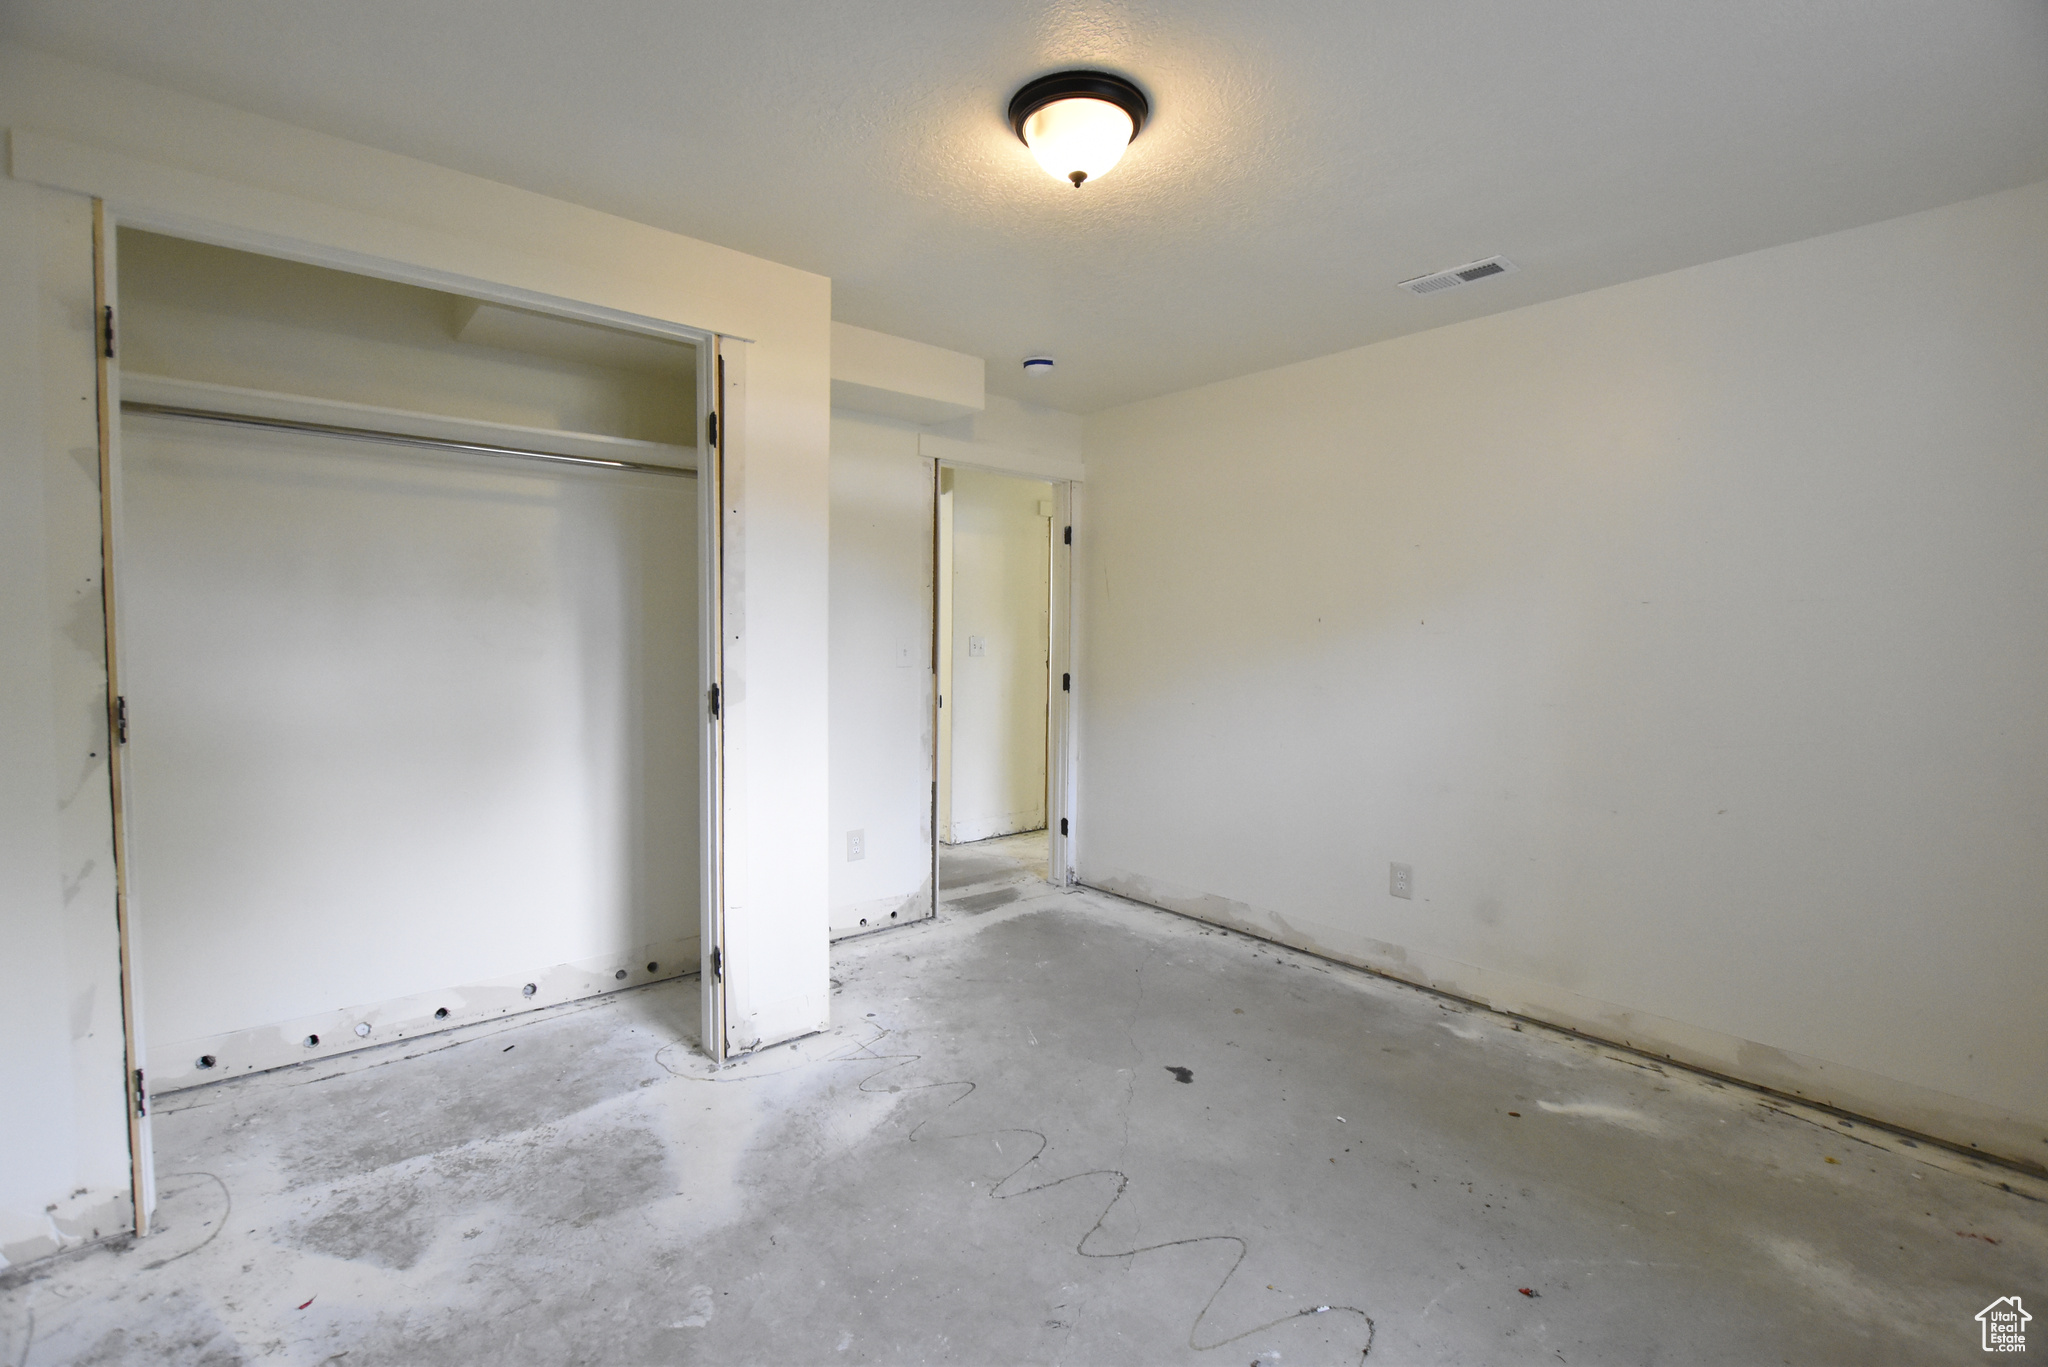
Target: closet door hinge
1066,683
717,964
1063,825
107,331
141,1095
711,430
1070,536
714,702
120,721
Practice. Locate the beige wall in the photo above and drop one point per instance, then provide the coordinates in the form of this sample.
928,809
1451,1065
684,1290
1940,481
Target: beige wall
1687,637
407,732
882,678
199,312
63,1129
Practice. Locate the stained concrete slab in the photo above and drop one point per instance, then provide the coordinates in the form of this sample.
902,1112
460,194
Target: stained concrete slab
1062,1130
983,865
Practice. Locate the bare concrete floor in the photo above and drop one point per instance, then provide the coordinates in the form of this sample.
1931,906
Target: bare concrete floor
1061,1130
991,873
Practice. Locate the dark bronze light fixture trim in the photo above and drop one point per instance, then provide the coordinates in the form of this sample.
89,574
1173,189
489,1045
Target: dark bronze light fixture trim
1093,85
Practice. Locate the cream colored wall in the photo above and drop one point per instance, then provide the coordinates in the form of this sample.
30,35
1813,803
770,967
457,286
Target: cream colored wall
882,677
63,1130
212,172
1017,426
199,312
1687,637
406,732
994,723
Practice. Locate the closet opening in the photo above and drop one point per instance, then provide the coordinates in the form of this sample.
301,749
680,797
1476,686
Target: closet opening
410,648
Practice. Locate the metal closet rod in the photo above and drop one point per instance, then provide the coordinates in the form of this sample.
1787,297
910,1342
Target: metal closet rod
165,410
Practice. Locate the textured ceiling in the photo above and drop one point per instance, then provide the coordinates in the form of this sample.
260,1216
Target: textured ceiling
1304,156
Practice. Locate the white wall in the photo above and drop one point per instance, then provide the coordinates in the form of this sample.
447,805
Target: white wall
63,1130
407,732
226,176
206,313
997,560
882,677
1017,426
1687,637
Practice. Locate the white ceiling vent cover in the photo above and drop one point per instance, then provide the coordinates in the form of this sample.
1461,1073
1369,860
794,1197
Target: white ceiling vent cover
1459,275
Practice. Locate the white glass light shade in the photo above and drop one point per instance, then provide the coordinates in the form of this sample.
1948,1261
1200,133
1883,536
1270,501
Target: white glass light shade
1078,139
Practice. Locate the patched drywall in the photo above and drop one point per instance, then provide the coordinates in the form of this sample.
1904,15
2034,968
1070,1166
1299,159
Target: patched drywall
1684,637
398,723
63,1132
882,675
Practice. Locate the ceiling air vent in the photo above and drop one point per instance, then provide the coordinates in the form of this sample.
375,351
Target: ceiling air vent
1458,275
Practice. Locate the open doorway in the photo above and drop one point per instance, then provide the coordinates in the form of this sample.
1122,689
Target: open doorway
995,616
411,654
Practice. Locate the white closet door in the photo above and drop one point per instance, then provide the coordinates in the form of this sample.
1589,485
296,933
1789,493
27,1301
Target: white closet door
399,721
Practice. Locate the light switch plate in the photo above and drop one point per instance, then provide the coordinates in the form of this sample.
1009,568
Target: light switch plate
977,645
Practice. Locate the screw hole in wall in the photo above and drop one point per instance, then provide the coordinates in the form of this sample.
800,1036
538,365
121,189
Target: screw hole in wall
207,1060
620,975
362,1029
440,1013
653,967
312,1041
528,990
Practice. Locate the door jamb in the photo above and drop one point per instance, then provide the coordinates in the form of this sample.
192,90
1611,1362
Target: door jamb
1062,753
717,439
141,1148
1062,684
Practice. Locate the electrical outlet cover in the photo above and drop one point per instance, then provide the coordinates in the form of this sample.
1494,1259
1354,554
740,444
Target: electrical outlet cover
1401,880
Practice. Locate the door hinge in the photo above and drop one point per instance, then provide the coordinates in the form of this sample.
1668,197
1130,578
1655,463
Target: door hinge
711,431
107,322
714,702
1063,825
1066,683
120,721
717,964
141,1095
1070,536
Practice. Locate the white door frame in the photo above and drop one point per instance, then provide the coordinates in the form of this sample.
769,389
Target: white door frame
720,371
1062,753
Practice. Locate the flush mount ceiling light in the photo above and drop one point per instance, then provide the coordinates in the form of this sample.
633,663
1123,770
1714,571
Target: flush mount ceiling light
1078,123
